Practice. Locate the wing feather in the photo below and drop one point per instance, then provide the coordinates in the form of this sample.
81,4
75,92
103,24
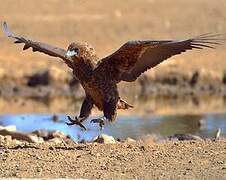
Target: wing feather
136,57
38,46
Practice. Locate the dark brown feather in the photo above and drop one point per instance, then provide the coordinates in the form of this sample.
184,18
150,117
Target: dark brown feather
38,46
135,57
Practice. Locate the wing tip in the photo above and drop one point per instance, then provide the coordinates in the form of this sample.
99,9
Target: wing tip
6,29
208,40
4,24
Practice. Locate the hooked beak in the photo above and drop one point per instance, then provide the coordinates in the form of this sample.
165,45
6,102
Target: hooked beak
70,53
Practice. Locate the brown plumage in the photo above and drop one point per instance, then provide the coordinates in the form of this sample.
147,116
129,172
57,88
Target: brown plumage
100,78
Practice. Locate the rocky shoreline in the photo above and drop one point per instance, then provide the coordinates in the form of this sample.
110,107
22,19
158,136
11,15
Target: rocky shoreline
171,84
9,135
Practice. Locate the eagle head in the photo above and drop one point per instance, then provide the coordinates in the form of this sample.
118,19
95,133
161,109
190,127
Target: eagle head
80,51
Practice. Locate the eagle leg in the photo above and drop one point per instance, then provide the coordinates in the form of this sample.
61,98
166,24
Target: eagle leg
85,111
109,113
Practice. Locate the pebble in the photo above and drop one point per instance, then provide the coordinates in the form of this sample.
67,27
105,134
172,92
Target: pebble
184,137
52,148
130,140
39,169
104,139
56,140
8,128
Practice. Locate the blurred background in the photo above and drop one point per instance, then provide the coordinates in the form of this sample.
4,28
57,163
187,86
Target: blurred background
192,83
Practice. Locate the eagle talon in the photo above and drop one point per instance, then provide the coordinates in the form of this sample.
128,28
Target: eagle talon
76,121
100,121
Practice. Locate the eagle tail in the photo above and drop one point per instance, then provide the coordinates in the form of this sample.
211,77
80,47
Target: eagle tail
123,105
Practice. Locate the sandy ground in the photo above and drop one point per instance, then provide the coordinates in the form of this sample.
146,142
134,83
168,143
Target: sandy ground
140,160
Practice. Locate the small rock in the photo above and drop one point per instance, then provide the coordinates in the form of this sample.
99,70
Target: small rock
35,139
184,137
52,148
15,174
21,136
8,139
17,142
41,133
8,128
48,135
142,148
103,167
56,140
39,169
1,138
104,139
6,151
130,140
58,134
151,139
217,135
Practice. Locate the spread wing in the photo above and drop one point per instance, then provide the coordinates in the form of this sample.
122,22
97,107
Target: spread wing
135,57
38,46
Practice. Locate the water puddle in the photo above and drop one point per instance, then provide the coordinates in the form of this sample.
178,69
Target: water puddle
126,126
146,105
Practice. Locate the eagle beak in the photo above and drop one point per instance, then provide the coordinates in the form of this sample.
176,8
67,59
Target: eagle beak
70,53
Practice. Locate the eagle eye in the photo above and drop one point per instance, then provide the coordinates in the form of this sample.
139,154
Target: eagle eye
75,49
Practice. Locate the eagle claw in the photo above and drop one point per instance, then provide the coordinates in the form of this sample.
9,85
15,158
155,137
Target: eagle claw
100,121
75,121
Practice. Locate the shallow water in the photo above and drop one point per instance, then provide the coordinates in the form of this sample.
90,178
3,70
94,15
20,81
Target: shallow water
125,126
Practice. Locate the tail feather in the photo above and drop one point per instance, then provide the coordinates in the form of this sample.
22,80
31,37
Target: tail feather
123,105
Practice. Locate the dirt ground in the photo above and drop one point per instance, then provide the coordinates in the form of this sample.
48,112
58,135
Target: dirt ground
140,160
